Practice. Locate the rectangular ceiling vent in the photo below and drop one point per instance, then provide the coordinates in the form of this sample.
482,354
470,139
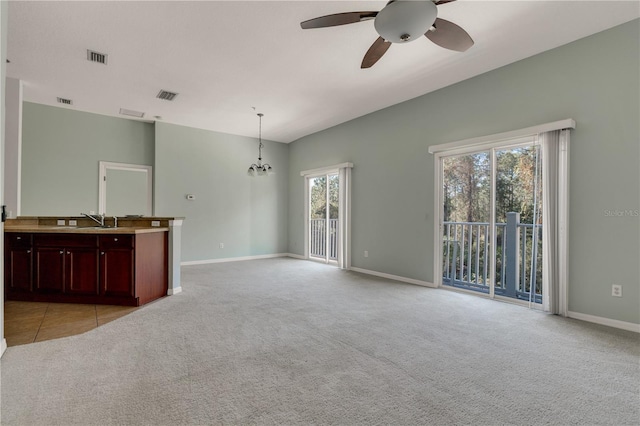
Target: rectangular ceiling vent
131,113
65,101
166,95
98,57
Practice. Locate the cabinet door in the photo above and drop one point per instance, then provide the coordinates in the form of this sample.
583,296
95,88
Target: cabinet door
81,271
49,270
18,262
18,270
116,272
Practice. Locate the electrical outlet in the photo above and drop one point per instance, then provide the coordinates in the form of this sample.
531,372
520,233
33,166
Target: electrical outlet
366,253
155,223
73,222
61,222
221,245
616,290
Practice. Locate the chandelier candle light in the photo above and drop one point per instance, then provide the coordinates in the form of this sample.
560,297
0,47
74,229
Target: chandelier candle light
259,167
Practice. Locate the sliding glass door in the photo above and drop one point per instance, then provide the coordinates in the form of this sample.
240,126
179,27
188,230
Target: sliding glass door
491,221
323,217
466,221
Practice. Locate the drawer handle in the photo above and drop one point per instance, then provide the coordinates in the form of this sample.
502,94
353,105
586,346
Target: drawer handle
61,251
18,238
101,253
115,239
28,251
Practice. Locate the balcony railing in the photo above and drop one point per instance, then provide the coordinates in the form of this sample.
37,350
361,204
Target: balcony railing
466,259
318,246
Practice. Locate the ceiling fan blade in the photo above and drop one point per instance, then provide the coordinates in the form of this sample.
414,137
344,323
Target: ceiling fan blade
443,2
449,35
337,19
375,52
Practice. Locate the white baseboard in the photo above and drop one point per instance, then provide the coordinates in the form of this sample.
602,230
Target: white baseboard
296,256
3,346
629,326
233,259
393,277
173,291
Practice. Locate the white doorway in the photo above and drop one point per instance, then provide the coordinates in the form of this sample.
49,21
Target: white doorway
509,243
492,221
327,198
323,217
125,189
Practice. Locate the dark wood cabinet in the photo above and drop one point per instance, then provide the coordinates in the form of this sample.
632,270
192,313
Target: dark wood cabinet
117,258
151,266
66,265
81,271
49,270
120,269
18,263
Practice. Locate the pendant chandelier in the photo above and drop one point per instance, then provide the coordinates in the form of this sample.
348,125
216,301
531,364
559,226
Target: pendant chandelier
259,167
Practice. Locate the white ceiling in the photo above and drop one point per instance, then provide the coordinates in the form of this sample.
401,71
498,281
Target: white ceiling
225,57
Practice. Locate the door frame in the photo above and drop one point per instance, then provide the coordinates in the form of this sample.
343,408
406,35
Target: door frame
344,210
484,143
105,166
490,149
327,228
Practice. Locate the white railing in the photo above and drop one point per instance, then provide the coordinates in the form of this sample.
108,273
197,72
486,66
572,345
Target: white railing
466,257
318,240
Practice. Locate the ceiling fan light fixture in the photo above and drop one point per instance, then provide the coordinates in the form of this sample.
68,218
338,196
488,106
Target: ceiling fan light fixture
405,20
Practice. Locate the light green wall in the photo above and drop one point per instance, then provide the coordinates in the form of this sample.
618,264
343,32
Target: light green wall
247,214
594,81
61,149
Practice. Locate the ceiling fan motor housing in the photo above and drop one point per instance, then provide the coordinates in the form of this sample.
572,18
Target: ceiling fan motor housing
405,20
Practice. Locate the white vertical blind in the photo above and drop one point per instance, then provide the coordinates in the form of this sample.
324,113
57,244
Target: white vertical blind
555,191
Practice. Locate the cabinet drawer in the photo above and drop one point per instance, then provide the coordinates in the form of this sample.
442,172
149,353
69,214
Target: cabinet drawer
18,240
65,240
116,241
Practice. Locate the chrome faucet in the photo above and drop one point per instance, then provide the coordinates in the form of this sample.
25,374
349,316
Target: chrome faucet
99,221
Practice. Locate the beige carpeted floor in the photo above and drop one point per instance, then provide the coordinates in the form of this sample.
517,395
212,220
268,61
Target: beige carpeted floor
285,341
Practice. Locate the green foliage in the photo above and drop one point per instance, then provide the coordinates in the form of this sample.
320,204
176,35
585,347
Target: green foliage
467,186
318,207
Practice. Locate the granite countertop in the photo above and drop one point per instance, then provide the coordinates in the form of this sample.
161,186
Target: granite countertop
84,225
48,229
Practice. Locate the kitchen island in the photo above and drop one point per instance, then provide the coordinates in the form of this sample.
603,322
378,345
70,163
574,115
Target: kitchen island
47,260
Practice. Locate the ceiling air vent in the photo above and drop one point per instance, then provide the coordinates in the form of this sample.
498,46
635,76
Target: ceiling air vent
98,57
131,113
166,95
65,101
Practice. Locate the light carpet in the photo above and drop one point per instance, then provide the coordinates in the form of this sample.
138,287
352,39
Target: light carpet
284,341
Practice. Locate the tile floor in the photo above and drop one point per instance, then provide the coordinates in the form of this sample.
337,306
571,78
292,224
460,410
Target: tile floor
29,322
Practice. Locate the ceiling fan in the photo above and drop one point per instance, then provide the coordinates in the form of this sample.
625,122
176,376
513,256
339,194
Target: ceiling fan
401,21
